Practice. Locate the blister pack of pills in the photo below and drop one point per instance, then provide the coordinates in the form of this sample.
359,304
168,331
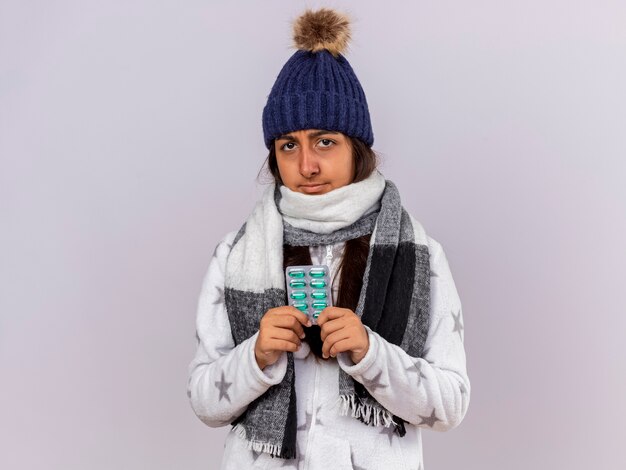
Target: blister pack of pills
308,289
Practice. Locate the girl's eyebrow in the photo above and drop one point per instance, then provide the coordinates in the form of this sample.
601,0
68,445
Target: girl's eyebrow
291,138
321,132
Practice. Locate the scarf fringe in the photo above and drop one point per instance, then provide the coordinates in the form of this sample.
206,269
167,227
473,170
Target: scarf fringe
370,414
272,449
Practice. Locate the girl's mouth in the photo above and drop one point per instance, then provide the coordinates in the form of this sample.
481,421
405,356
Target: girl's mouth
312,189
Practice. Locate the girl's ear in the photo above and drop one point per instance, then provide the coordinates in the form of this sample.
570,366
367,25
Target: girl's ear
272,164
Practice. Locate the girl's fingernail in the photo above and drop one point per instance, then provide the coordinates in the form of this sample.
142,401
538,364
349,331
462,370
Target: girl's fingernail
303,335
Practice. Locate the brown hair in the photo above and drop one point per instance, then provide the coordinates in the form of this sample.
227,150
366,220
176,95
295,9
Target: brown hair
354,259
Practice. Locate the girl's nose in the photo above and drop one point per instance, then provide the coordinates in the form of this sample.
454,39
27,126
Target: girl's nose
308,163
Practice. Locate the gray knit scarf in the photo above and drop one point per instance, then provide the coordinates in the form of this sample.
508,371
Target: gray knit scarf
393,302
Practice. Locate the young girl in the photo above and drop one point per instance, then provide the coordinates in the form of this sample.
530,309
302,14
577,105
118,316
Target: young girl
353,388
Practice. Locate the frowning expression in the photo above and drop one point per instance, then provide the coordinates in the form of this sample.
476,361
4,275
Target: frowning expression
314,161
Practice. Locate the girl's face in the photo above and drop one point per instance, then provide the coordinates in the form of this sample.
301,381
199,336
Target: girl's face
314,161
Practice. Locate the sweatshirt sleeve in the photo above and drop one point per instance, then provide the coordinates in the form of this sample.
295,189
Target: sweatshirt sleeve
223,378
431,392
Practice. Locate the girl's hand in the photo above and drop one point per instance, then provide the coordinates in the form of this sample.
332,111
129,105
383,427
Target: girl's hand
341,331
280,330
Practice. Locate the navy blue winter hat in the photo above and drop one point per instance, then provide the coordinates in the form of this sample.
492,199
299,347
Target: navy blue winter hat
317,88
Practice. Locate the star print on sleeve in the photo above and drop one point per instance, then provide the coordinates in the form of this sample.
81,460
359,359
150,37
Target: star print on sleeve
309,418
217,247
223,386
374,383
389,431
256,455
429,420
317,416
220,296
458,326
307,422
416,366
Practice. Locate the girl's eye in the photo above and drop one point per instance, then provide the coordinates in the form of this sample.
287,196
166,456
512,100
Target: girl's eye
285,145
327,142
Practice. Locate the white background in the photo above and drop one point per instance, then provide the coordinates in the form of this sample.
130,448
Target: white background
130,140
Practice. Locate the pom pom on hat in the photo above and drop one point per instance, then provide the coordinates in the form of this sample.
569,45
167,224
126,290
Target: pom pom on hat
317,88
322,29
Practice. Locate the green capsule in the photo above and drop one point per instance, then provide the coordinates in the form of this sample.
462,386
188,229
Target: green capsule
301,306
298,295
317,272
319,304
318,283
320,294
296,273
316,313
297,283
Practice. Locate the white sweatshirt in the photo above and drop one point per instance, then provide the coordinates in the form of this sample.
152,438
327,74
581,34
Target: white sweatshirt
432,392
